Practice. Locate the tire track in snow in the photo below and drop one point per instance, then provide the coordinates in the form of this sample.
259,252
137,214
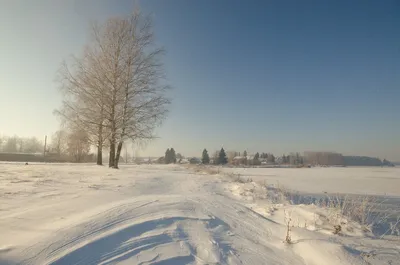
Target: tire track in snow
55,247
121,237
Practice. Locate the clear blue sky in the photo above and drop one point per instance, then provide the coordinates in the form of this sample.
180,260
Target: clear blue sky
267,76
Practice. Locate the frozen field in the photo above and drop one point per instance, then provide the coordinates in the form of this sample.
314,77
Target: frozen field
353,180
171,215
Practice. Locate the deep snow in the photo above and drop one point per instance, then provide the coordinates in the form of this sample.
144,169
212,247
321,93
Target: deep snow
148,214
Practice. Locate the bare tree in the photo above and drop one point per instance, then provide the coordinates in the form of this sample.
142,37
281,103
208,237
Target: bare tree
33,145
11,145
127,155
137,98
78,144
21,144
59,142
84,102
231,155
114,91
215,157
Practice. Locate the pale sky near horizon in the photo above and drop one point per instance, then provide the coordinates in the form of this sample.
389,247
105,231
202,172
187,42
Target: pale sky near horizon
266,76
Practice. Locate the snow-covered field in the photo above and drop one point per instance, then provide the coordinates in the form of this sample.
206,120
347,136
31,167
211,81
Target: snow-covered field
355,180
148,214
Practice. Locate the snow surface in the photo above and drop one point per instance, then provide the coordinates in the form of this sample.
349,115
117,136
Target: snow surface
355,180
153,214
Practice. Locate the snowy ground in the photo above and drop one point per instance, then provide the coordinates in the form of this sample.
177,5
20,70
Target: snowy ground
355,180
171,215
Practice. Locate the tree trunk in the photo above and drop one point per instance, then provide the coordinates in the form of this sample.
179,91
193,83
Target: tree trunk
111,160
119,148
112,148
118,155
100,146
113,135
100,154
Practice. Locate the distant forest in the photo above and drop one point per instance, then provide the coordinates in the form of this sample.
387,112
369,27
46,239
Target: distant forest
69,147
330,158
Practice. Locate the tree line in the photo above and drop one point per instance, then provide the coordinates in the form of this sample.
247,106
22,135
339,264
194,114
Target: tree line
62,146
222,157
171,157
16,144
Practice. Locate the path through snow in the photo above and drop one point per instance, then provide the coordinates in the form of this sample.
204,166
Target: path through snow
76,214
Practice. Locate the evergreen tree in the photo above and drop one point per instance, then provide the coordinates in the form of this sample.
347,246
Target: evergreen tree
205,159
256,159
271,158
167,159
245,153
172,156
222,157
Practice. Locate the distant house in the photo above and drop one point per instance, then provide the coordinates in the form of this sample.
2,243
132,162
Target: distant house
184,161
242,160
146,161
279,160
239,160
195,160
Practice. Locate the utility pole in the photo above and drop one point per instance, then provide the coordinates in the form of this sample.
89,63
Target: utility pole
44,149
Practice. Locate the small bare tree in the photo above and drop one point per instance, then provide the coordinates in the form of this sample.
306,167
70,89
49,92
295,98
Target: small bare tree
288,220
59,142
84,102
11,145
78,144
